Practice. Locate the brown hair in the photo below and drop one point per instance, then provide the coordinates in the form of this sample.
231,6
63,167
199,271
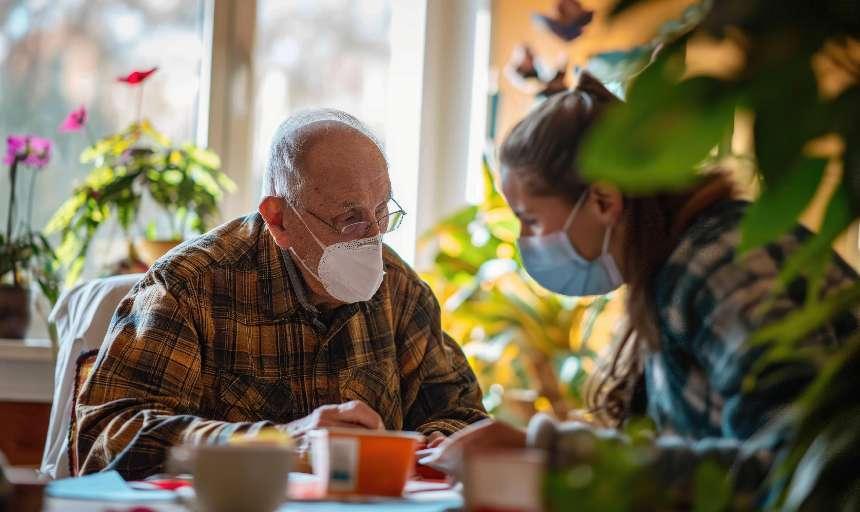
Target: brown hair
542,150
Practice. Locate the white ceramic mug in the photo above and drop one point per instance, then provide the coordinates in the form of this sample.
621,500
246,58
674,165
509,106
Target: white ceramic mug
247,478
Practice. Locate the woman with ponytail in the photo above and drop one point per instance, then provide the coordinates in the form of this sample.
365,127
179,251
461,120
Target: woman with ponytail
692,302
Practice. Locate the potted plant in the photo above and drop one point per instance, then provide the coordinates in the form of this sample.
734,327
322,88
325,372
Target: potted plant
24,255
796,80
136,163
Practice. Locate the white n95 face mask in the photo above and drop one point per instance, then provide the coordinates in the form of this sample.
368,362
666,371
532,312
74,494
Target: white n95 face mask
348,271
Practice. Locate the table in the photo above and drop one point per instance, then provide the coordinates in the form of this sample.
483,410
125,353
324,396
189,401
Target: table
438,500
58,505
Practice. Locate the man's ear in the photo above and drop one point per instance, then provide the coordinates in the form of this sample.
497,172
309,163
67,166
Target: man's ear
273,209
608,202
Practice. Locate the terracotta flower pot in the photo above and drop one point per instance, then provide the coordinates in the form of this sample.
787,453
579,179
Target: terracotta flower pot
14,311
150,250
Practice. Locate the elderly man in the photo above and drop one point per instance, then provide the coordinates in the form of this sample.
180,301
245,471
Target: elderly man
295,317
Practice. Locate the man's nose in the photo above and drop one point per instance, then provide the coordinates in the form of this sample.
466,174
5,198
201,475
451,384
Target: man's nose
373,229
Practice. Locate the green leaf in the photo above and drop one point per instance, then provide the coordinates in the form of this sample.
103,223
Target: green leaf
784,97
147,128
225,182
99,177
837,217
125,215
830,456
851,173
594,311
847,107
503,224
798,324
74,272
205,181
151,231
172,177
712,487
196,224
95,152
657,140
202,156
458,220
64,215
781,203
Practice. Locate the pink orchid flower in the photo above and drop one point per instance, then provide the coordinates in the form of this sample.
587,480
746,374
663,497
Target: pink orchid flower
75,121
30,150
15,145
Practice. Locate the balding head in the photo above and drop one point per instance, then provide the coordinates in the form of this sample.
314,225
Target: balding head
285,175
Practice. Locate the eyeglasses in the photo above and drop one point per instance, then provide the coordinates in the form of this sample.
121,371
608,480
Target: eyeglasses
356,229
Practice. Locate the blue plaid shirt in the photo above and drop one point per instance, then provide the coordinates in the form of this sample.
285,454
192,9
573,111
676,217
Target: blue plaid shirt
708,300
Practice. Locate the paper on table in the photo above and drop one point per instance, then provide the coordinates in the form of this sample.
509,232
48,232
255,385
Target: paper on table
395,505
418,497
107,486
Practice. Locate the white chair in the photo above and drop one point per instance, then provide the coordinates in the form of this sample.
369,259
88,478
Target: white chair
81,316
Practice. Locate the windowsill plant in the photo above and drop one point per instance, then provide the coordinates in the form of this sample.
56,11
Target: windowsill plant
25,255
135,164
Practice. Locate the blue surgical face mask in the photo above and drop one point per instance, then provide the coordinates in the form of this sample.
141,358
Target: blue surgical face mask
556,265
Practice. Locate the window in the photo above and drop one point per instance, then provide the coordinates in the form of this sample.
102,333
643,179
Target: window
312,53
58,54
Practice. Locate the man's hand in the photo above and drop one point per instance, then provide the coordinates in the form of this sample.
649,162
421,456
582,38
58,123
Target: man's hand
487,434
435,439
354,414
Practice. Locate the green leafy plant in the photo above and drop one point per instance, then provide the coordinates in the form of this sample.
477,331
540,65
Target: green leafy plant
184,180
798,78
610,472
516,335
32,252
818,471
138,162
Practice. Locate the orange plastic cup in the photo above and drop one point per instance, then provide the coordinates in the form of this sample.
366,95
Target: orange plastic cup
363,462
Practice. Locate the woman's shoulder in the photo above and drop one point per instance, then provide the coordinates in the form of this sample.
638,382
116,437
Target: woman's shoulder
706,272
709,242
715,230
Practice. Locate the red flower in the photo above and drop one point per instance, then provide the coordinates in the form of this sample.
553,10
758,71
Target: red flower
136,77
75,121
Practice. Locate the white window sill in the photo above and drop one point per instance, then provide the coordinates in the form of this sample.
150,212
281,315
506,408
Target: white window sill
26,370
30,349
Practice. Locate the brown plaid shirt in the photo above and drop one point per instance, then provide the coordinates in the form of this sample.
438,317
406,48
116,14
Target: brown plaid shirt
218,338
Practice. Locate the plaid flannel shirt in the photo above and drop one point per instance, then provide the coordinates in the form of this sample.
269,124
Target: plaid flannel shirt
709,305
218,338
710,302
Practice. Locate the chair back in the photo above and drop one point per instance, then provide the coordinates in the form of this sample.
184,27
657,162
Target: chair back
81,319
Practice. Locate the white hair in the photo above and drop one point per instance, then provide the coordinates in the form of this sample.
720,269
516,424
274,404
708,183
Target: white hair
283,176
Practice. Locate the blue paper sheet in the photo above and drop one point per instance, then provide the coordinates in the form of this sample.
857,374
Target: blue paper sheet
107,486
